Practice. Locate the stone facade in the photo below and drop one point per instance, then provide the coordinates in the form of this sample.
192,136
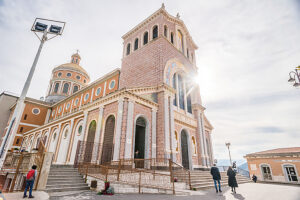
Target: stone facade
152,106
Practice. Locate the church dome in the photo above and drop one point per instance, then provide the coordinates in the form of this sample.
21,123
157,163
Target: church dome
67,79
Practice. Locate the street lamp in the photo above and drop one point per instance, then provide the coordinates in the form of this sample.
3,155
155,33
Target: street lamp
293,75
40,25
228,145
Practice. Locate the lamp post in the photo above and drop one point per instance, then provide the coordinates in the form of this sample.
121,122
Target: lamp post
40,26
293,75
228,147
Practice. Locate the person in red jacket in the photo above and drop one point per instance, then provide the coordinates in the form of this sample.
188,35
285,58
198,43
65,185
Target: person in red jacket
30,181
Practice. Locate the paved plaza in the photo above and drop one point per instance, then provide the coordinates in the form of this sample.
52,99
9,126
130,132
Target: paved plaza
249,191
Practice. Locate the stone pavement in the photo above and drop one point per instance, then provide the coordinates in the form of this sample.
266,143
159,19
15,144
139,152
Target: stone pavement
38,195
248,191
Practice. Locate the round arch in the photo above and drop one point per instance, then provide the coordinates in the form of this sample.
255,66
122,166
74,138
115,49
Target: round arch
186,153
108,139
146,136
64,144
78,136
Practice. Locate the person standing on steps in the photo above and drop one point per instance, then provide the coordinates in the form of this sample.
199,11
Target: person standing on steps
214,171
231,179
30,181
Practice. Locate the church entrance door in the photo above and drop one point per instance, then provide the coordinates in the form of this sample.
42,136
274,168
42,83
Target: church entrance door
107,149
90,142
139,144
184,150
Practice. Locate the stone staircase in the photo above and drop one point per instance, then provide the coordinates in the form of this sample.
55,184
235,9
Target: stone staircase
65,178
203,179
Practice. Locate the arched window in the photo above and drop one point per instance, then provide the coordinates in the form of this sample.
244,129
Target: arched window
187,53
180,41
128,49
172,38
66,88
75,89
181,92
25,116
165,31
188,97
175,87
155,32
56,87
136,44
145,38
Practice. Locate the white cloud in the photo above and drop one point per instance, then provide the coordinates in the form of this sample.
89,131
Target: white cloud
246,50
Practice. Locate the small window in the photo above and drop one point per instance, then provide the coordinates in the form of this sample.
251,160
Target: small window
78,77
128,49
66,134
54,136
187,53
86,97
59,110
25,116
145,38
98,91
155,32
59,74
56,87
165,31
69,74
79,130
18,140
66,88
136,44
84,81
172,38
36,111
75,89
76,101
68,106
21,129
112,84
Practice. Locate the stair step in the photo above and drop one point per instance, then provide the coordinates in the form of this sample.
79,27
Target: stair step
66,185
64,189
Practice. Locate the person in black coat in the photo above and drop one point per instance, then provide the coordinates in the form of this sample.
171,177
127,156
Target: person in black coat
231,179
254,178
214,171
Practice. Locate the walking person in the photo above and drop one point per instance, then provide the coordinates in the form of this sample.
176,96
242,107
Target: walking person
30,181
231,179
254,178
214,171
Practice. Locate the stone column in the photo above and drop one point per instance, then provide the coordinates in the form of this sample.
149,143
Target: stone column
129,130
172,130
97,135
204,139
199,133
118,130
153,151
167,127
85,115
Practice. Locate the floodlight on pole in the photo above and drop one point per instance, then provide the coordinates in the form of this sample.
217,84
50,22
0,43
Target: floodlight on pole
40,25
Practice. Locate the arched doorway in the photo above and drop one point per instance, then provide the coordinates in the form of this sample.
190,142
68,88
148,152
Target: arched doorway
90,142
78,136
139,142
108,139
185,150
53,141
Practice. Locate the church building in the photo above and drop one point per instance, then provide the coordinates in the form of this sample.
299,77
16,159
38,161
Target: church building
149,108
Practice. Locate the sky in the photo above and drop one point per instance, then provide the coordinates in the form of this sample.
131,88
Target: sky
246,51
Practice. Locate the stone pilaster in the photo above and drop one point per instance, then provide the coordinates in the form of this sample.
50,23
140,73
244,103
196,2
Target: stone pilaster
154,111
116,155
129,130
